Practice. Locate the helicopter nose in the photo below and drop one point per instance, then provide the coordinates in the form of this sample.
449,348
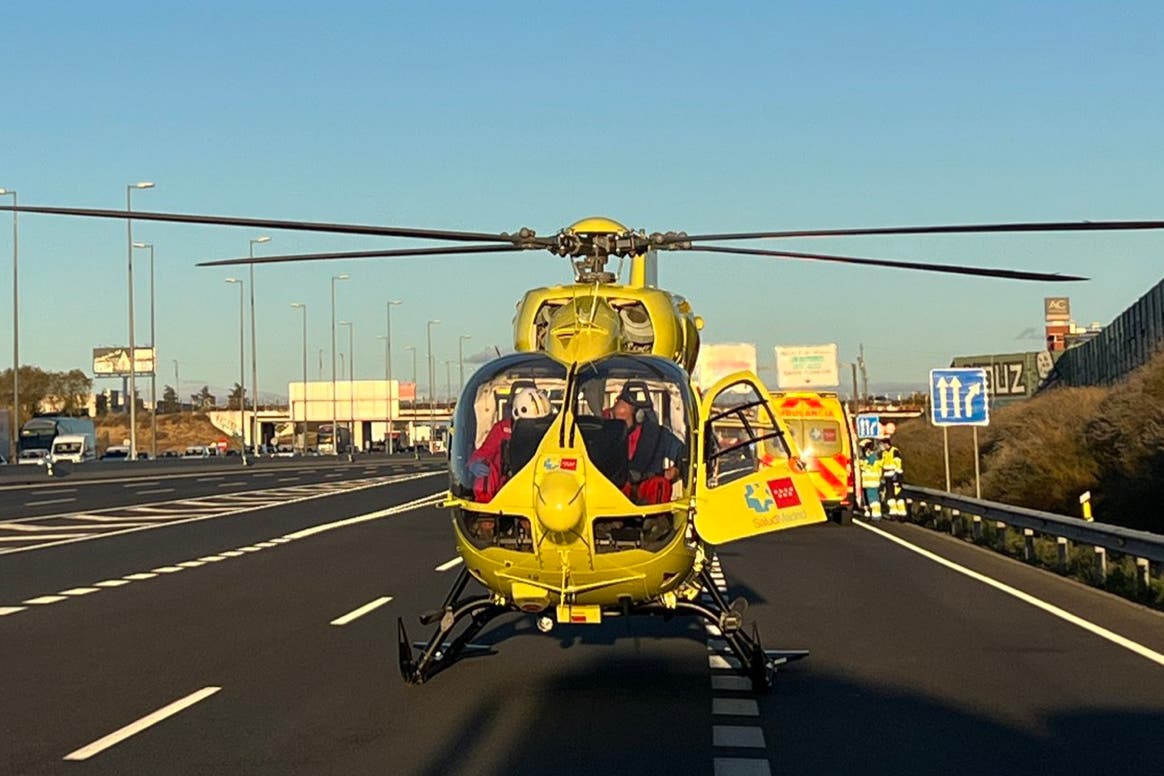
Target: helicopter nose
559,501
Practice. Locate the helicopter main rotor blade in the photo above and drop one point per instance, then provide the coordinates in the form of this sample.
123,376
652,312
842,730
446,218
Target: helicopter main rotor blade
1060,226
450,250
1012,274
274,223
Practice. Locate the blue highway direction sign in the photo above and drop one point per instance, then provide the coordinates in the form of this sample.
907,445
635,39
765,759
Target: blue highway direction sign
959,397
868,427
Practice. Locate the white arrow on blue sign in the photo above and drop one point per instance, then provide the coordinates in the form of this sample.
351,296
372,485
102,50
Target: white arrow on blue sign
868,427
959,397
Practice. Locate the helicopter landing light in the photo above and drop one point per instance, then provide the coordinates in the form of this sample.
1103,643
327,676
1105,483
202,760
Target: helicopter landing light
579,615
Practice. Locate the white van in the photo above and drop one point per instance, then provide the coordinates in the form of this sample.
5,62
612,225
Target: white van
74,448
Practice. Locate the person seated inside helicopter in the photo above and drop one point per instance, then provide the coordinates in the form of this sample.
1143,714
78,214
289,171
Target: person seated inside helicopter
490,463
653,451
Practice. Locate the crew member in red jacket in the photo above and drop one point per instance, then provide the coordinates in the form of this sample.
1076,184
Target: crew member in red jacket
486,464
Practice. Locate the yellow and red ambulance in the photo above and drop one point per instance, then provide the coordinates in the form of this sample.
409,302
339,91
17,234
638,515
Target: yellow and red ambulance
821,427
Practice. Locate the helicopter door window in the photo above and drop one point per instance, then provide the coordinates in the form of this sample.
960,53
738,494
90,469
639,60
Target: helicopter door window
742,436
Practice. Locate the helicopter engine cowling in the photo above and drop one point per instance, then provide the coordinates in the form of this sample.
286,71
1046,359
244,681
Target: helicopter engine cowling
559,505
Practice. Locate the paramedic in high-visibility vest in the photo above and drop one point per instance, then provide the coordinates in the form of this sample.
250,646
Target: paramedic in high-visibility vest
871,479
891,478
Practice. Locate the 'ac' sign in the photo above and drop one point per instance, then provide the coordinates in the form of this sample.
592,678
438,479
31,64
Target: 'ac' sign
868,427
959,397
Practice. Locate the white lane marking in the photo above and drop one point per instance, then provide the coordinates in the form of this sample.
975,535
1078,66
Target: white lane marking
212,558
448,564
424,501
737,735
729,682
192,564
288,479
735,707
111,583
48,501
155,490
361,611
230,484
251,548
1063,614
232,553
166,569
712,630
267,544
265,474
46,599
720,661
143,484
117,736
11,609
75,591
741,766
140,577
209,479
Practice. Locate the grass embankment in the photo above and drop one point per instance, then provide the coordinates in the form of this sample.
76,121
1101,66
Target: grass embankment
175,431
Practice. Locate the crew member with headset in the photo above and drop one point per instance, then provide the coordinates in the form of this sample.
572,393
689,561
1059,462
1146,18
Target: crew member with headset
653,452
891,478
871,479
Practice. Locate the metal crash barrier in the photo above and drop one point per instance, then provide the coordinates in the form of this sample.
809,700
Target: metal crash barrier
969,517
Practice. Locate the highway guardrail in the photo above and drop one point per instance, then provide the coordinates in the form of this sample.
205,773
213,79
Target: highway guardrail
967,517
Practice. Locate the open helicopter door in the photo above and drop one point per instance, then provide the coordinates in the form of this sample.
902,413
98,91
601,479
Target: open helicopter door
750,480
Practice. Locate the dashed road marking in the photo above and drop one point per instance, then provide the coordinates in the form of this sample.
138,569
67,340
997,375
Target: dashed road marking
111,583
11,609
361,611
155,490
731,683
448,564
140,576
48,501
740,736
46,599
735,707
119,735
741,766
77,591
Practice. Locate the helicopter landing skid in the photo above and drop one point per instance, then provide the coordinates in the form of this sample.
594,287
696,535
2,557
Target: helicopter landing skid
438,653
751,659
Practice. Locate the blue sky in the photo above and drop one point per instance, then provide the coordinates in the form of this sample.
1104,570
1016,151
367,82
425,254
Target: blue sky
661,115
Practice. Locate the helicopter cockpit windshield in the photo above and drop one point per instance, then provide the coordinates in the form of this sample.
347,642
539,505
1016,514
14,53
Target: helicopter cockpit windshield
634,415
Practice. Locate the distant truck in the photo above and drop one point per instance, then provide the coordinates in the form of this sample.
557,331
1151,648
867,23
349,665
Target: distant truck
74,448
38,434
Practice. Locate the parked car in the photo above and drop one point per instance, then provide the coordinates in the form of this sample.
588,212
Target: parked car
196,451
115,453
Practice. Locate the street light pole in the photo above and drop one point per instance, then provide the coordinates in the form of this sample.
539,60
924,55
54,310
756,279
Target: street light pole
154,348
242,370
461,360
449,381
15,331
388,366
255,434
351,387
334,420
303,439
177,385
132,345
431,390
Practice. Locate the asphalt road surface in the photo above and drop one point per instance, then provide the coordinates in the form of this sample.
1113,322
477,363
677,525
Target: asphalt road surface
261,640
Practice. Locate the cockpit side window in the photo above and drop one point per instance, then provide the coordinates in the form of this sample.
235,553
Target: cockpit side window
501,418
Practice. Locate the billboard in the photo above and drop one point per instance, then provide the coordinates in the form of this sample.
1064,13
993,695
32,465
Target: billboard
114,362
1057,308
718,361
806,366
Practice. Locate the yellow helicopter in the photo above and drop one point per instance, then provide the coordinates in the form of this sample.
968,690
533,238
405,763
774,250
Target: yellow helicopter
588,478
